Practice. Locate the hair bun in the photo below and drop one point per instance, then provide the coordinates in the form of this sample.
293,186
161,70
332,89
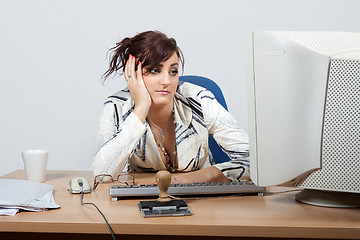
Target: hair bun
151,48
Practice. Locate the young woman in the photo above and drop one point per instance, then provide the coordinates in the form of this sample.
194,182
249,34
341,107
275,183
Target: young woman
160,123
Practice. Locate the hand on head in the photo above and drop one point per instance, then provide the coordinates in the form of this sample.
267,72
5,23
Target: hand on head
146,85
138,90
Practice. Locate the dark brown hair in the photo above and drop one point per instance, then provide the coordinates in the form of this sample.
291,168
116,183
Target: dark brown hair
151,48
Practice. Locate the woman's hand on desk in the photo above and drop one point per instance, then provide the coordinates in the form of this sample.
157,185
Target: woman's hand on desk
209,174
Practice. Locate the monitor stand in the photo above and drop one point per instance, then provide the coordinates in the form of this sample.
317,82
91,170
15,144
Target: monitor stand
329,198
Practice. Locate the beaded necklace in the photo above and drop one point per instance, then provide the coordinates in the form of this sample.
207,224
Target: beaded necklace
171,164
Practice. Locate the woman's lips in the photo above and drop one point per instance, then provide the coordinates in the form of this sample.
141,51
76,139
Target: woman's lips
164,92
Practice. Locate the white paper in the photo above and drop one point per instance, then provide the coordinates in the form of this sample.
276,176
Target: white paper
18,194
8,211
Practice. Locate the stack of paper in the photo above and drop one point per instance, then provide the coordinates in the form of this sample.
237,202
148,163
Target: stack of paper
18,194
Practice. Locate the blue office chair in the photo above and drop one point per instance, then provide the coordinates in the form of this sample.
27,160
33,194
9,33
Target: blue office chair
218,154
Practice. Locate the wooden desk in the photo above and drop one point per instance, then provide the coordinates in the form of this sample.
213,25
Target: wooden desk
245,217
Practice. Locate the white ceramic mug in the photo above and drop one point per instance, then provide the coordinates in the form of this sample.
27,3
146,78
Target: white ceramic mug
35,162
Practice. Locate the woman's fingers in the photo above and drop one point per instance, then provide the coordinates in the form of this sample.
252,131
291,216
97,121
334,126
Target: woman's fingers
138,90
139,71
130,73
132,67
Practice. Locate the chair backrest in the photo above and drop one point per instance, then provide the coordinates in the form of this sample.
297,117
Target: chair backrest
218,154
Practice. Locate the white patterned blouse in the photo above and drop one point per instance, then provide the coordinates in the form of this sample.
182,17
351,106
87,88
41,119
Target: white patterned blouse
124,142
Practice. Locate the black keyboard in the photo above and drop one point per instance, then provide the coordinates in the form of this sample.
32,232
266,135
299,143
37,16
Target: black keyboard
219,188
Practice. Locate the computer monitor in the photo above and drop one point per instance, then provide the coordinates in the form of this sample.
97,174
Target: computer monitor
304,114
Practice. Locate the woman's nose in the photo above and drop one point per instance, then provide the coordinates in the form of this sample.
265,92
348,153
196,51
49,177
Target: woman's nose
165,79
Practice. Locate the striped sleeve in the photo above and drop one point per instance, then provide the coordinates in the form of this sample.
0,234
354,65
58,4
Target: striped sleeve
231,138
117,137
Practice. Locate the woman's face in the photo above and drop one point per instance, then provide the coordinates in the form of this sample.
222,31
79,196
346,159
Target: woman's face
162,81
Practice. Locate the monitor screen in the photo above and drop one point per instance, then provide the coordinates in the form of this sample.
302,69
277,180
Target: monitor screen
304,102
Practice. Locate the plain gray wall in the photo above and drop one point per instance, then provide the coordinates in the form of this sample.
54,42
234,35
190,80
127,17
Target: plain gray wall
53,53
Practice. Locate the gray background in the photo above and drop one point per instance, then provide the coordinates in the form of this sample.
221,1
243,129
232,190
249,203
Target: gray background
53,53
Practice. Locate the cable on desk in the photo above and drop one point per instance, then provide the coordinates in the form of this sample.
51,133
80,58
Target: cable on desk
90,203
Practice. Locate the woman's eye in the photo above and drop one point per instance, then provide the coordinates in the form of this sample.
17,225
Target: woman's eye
154,70
174,72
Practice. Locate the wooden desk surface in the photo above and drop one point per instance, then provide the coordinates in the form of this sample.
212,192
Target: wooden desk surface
277,215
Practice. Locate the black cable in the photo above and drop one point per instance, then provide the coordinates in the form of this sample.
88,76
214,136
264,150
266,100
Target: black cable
82,203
